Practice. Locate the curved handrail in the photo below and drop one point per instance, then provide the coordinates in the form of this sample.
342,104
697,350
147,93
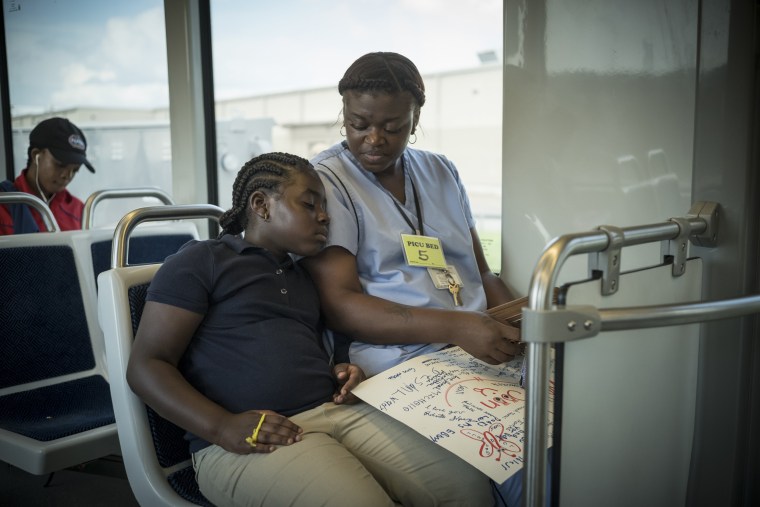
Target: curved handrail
561,324
88,214
38,204
540,296
120,250
640,317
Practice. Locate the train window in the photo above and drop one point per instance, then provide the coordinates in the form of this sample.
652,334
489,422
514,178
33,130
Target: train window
277,66
103,66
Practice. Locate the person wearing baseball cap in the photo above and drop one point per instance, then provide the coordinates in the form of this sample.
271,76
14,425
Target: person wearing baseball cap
57,149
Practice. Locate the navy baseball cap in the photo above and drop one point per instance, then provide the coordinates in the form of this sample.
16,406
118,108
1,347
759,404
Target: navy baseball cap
64,140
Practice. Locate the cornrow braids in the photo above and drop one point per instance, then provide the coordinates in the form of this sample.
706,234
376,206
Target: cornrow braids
384,71
270,172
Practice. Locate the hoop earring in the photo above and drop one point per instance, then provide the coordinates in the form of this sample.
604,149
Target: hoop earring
415,138
266,216
342,130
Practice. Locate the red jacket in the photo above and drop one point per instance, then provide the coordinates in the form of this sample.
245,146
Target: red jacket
66,209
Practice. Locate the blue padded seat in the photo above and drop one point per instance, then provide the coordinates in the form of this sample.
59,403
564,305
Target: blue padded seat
55,400
156,455
183,482
58,410
168,438
142,250
42,302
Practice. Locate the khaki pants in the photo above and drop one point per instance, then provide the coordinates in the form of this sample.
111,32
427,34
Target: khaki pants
350,455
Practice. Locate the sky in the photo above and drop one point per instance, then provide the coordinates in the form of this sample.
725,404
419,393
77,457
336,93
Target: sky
79,53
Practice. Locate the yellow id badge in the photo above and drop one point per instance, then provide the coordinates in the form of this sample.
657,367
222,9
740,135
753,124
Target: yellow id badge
423,251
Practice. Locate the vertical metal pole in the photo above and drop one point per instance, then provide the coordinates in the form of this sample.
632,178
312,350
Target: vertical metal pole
536,416
537,373
538,354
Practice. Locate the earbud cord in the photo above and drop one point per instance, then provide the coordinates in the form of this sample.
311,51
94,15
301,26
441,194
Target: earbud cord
37,181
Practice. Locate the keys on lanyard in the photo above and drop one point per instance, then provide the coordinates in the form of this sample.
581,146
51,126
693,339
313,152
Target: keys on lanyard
454,289
447,278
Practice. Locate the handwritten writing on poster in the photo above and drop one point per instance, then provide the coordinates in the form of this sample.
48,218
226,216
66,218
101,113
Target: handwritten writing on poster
469,407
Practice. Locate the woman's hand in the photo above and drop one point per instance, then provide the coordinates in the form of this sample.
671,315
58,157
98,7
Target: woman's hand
275,430
486,338
349,376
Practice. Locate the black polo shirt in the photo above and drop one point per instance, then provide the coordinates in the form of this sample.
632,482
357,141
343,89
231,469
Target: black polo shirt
259,345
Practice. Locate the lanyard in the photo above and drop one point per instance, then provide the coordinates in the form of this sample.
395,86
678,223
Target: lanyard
420,229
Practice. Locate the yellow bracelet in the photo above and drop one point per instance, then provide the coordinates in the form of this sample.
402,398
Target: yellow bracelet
255,435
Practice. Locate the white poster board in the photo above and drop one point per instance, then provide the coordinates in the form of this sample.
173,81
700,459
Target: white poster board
469,407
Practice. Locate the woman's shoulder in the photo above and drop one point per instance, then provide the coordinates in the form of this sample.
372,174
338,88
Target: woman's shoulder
428,157
432,165
329,156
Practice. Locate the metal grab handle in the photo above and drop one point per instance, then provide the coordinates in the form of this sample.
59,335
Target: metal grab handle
614,319
120,250
701,223
574,322
88,214
35,202
558,251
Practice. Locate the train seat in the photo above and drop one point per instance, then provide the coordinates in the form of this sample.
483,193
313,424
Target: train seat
55,406
156,455
150,244
146,245
55,403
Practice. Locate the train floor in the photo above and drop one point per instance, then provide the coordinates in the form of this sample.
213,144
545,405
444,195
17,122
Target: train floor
101,482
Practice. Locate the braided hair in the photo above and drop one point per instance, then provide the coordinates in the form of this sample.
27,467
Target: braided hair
386,72
269,172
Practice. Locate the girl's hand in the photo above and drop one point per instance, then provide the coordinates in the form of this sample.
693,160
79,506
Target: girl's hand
275,430
349,376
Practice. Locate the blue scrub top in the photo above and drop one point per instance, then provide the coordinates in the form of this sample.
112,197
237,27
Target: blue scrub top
366,220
